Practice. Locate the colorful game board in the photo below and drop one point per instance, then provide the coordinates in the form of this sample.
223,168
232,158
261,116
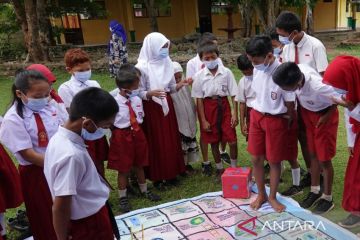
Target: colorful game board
212,217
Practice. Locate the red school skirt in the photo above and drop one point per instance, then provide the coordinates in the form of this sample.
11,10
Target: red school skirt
10,187
98,151
38,202
96,226
128,148
166,159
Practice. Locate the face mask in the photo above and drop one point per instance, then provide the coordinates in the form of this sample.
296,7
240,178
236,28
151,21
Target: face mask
36,104
164,52
261,67
250,78
82,76
340,91
211,64
284,40
99,133
133,93
277,51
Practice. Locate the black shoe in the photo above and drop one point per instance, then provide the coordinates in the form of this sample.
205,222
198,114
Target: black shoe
151,196
350,222
267,168
306,181
133,191
207,169
124,205
20,222
225,158
310,200
171,183
292,191
324,206
159,185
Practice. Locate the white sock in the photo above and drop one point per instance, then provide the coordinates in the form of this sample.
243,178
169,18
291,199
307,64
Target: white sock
221,151
2,223
122,193
143,187
206,163
219,166
315,189
234,163
296,176
327,197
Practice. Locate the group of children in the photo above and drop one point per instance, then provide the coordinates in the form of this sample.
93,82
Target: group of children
60,140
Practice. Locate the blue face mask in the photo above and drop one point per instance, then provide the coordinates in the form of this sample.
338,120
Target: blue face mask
164,52
36,104
211,64
82,76
284,40
261,67
277,51
99,133
133,93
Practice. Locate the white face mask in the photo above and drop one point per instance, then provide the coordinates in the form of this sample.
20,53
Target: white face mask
99,133
261,67
211,64
277,51
36,104
164,52
82,76
284,40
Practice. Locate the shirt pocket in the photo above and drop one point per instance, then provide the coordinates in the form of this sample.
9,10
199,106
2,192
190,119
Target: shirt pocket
223,86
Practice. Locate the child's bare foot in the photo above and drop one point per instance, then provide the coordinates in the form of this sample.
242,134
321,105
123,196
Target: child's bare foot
276,205
259,201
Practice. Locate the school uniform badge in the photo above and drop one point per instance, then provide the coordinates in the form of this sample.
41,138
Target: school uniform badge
224,88
273,95
310,102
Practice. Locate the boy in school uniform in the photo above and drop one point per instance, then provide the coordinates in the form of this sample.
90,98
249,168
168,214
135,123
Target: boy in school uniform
276,44
78,64
272,133
321,120
211,88
301,49
128,145
79,192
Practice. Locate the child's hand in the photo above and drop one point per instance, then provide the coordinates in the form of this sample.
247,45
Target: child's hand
323,120
343,102
351,151
244,131
156,93
234,120
190,81
206,126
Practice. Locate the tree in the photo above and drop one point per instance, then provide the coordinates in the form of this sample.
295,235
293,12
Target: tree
267,11
247,13
153,7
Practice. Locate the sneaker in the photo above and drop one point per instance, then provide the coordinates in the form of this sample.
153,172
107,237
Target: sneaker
292,191
310,200
151,196
306,181
20,222
124,205
225,158
207,169
324,206
133,191
159,185
350,222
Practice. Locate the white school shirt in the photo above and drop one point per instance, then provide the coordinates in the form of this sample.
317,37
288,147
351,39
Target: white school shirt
70,88
270,98
18,133
195,64
70,171
245,94
207,85
122,119
314,95
311,51
350,135
114,92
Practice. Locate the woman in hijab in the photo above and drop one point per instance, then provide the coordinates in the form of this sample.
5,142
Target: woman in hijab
343,74
117,47
160,124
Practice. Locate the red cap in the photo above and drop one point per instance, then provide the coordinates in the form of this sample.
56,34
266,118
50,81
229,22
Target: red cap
44,71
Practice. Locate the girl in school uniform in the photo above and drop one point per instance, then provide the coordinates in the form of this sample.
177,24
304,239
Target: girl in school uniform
78,65
10,189
186,116
26,130
160,124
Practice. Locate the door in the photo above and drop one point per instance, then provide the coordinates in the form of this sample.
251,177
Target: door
204,7
72,29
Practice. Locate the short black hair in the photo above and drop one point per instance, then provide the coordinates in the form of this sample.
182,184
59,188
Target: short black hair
207,37
271,32
244,63
287,74
259,46
288,21
94,103
127,75
208,48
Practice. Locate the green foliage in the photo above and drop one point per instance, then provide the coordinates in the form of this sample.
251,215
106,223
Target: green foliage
88,8
158,4
299,3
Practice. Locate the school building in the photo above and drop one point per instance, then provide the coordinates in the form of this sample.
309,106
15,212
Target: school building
181,17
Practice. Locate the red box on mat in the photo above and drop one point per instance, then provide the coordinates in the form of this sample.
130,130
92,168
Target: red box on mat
236,182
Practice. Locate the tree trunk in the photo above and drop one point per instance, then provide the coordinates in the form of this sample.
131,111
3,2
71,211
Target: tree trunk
44,33
21,18
309,18
247,12
150,5
267,11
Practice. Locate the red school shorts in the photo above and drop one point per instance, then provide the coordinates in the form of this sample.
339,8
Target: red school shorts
228,134
271,136
321,141
128,148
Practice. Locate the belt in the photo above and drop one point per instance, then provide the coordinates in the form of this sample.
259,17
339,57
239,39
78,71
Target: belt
215,97
273,115
324,111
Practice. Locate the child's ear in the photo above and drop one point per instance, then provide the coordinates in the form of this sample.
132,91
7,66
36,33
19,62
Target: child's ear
18,93
68,69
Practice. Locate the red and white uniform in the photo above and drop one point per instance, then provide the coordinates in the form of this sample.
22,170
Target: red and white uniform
215,89
315,100
269,133
70,171
128,147
19,134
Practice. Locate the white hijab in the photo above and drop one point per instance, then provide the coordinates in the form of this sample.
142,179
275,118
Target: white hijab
159,70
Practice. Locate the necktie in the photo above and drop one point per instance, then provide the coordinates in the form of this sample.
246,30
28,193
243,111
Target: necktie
43,139
133,122
296,54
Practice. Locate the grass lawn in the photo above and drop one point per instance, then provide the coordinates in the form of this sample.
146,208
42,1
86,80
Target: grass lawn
198,184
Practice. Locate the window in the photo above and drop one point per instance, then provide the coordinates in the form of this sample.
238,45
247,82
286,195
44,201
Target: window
140,10
97,10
